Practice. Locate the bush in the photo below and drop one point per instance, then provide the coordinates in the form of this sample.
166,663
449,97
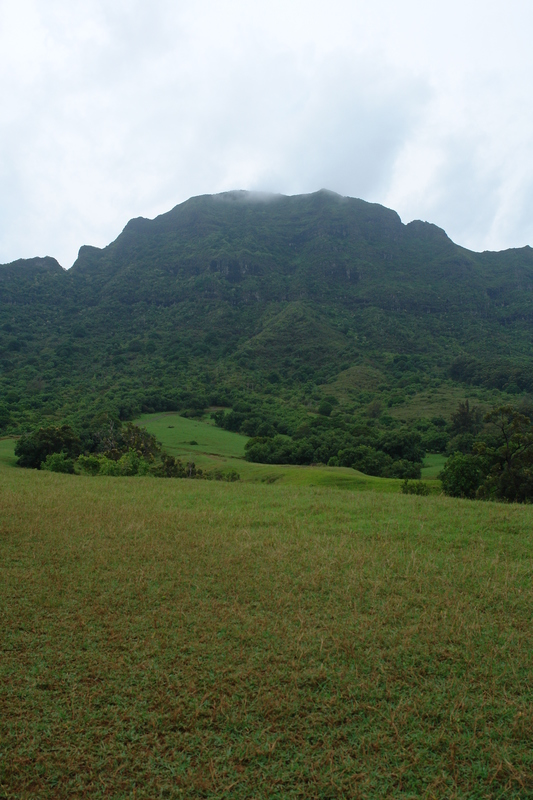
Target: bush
365,459
462,443
128,464
325,408
435,441
58,462
219,475
404,469
108,467
170,467
403,444
89,465
4,416
462,476
415,487
116,441
132,464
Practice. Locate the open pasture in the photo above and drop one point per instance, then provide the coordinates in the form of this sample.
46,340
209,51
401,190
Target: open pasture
177,638
186,438
433,465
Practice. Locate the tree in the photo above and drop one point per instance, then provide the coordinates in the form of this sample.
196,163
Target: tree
403,444
461,476
4,416
325,408
365,459
33,448
509,464
466,419
116,440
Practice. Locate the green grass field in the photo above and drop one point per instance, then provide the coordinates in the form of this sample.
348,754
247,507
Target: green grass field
177,638
177,433
7,456
433,465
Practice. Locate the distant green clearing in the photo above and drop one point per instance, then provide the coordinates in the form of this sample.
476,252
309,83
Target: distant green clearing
7,455
433,465
223,449
176,433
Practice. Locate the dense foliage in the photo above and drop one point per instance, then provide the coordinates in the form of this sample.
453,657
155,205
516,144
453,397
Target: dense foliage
498,465
34,448
237,296
395,454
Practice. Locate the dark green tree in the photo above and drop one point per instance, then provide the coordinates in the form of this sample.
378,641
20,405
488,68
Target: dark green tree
115,440
325,408
509,466
33,448
461,476
466,419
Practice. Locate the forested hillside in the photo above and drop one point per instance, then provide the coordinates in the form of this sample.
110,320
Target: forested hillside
279,303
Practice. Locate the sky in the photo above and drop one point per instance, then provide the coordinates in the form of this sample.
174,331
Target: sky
113,110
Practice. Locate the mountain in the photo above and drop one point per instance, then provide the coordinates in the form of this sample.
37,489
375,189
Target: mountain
243,293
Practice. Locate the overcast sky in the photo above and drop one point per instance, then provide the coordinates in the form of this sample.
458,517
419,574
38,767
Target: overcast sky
112,109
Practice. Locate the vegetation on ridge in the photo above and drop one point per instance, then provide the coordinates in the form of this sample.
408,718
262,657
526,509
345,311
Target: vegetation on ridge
282,300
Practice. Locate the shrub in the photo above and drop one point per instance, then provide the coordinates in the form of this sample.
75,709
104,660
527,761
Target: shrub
90,465
404,469
415,487
115,441
169,467
128,464
108,467
219,475
58,462
365,459
462,476
131,463
509,461
462,443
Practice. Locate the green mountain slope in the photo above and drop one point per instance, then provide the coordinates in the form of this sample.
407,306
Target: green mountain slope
277,295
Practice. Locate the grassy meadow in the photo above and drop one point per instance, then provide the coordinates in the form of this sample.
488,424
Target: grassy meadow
178,638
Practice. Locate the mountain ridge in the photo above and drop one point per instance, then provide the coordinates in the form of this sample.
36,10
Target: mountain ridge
224,290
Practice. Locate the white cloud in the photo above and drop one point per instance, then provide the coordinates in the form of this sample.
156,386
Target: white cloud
110,111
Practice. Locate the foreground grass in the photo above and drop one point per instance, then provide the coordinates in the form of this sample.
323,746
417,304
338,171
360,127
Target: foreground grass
167,638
